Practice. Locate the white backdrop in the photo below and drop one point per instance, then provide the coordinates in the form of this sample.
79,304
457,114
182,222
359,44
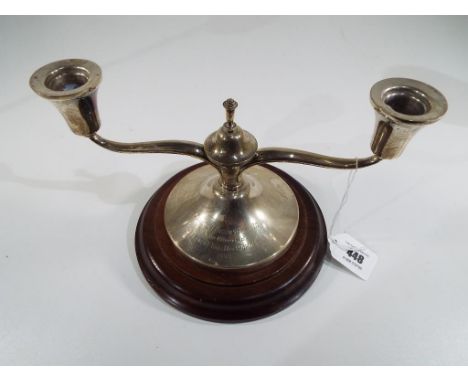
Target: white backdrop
71,291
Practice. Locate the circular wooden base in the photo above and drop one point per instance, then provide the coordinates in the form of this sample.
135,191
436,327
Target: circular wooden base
230,295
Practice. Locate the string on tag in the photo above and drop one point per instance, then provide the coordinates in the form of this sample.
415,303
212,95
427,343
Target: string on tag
344,199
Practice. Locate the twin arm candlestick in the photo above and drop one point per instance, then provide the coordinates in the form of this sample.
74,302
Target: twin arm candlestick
235,239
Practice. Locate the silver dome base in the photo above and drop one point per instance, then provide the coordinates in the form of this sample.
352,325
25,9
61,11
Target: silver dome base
226,229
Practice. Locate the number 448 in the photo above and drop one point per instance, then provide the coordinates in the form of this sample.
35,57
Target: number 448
356,256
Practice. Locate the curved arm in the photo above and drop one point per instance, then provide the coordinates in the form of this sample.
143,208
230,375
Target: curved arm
164,147
273,154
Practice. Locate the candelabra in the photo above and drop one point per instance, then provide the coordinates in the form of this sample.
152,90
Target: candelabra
234,238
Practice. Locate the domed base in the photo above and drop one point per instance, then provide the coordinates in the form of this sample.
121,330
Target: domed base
232,229
230,295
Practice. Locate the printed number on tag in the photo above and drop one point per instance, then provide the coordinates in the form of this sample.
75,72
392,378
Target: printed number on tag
353,255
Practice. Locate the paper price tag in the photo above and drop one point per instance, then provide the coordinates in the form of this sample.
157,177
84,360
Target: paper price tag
353,255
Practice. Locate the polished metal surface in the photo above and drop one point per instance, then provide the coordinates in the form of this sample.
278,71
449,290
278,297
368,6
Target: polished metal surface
226,229
163,147
277,154
233,213
230,148
402,107
71,85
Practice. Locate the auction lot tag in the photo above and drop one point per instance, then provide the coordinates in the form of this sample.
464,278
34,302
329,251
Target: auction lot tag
353,255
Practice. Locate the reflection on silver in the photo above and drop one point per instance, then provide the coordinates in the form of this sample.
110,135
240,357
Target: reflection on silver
232,230
71,85
403,106
234,213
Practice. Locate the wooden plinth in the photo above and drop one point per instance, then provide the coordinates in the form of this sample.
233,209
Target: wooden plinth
230,295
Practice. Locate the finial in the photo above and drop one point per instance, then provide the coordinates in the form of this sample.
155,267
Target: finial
230,105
